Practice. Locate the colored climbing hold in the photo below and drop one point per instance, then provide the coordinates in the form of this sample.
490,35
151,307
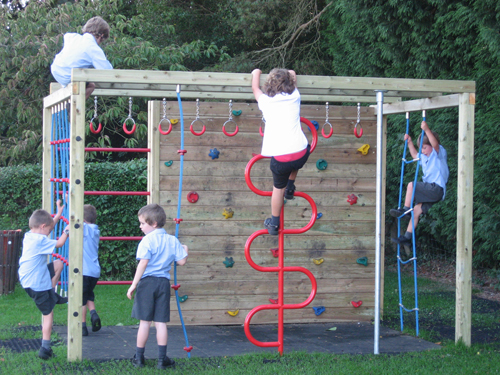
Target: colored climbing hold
183,298
214,153
229,262
356,304
227,213
364,149
318,261
188,348
316,124
169,163
233,313
275,252
174,121
320,215
176,286
193,196
352,199
237,112
319,310
363,261
273,301
321,164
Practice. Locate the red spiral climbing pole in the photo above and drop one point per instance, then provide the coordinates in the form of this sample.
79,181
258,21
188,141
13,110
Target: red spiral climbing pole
280,269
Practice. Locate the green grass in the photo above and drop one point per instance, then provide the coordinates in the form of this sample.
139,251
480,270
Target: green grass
436,302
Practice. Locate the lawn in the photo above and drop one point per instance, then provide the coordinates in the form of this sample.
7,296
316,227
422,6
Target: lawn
436,302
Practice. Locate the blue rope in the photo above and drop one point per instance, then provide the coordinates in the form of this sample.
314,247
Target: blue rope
179,213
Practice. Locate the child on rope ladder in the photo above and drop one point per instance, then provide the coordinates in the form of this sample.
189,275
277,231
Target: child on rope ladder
284,141
433,187
82,51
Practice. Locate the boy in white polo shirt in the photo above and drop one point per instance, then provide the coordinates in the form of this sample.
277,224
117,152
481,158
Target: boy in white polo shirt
82,51
36,276
156,252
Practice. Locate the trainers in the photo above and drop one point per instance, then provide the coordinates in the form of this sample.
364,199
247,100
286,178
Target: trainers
96,322
164,363
45,354
271,229
138,362
402,240
398,212
61,300
85,331
289,192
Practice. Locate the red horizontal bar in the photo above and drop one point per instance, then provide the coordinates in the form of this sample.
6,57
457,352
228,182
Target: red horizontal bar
104,149
117,193
120,238
114,282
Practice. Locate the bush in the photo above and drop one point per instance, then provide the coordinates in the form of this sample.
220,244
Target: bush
21,194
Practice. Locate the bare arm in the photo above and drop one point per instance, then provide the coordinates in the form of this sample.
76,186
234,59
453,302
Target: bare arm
183,260
434,142
141,267
60,208
62,240
411,147
257,92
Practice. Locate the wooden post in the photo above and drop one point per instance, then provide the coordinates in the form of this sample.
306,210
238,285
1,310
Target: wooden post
154,154
76,190
464,218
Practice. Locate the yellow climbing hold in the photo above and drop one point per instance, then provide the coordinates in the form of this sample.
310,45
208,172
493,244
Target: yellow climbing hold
233,313
174,121
364,149
227,213
318,261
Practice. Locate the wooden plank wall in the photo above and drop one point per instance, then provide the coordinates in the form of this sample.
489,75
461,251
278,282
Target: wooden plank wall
342,235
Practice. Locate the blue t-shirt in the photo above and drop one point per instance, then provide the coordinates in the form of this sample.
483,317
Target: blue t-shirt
435,168
91,234
161,249
33,271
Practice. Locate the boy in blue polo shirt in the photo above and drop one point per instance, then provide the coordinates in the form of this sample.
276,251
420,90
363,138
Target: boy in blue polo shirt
39,278
156,252
433,187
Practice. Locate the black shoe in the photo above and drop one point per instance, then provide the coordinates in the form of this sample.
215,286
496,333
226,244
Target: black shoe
402,240
61,300
85,331
138,362
399,212
96,322
289,192
45,354
271,229
164,363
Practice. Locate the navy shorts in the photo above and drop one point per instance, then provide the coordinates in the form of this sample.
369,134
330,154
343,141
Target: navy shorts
427,194
152,300
282,170
46,299
89,284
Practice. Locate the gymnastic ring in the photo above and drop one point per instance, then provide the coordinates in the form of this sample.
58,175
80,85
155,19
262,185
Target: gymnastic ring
230,134
169,127
323,130
91,125
356,132
192,129
125,126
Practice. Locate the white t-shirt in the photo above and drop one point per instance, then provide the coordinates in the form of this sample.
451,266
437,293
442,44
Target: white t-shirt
435,168
161,249
79,51
91,234
33,271
283,133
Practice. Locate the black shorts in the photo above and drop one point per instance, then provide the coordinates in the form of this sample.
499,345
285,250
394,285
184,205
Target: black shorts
46,299
152,300
89,284
427,194
281,170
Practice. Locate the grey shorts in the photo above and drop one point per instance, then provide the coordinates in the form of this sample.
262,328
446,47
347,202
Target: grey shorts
427,194
152,300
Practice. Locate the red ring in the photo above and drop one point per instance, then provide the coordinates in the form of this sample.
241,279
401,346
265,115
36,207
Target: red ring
167,131
91,125
195,133
126,130
323,131
230,134
356,132
260,131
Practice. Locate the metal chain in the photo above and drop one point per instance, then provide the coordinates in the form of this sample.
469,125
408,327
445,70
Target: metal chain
130,107
95,106
326,107
164,108
359,113
197,109
230,110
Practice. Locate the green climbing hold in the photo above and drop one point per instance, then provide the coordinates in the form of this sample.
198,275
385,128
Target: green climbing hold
228,262
321,164
237,112
363,261
183,298
169,163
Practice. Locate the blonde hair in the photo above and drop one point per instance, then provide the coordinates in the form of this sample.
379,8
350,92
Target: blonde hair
97,27
40,217
279,81
89,213
153,213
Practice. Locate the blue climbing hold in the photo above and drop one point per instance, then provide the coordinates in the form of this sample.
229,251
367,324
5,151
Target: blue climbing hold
316,124
319,215
319,310
214,153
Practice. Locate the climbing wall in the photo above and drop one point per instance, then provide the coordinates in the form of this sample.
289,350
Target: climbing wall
339,250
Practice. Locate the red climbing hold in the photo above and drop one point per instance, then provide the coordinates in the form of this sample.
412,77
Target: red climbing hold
188,348
177,221
352,199
275,301
181,152
275,252
175,286
193,196
356,304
